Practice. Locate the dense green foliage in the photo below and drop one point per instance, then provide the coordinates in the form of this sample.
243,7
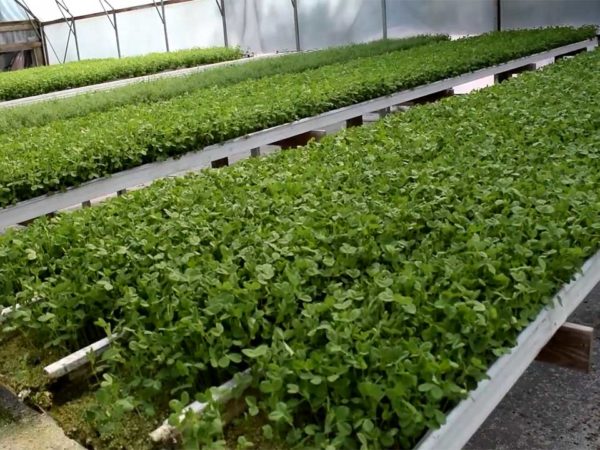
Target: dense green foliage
41,80
368,280
44,113
65,153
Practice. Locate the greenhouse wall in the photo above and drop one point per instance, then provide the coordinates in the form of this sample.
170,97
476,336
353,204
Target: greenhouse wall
262,26
539,13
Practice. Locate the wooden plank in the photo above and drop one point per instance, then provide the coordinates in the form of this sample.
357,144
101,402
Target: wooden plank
221,394
464,420
198,160
19,46
570,347
21,25
79,358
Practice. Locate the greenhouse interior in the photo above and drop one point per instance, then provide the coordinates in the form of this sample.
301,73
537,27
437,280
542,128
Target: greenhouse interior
299,224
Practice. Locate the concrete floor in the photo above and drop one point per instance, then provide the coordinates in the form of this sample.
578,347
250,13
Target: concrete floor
550,408
25,429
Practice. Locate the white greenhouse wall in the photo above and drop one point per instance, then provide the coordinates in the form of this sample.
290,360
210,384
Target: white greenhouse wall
96,38
454,17
262,26
196,24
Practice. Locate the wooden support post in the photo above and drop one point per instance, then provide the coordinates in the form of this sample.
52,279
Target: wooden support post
503,76
570,54
384,112
430,98
354,122
570,347
300,140
255,152
217,163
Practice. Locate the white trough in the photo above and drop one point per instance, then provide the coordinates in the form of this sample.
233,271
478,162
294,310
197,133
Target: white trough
465,419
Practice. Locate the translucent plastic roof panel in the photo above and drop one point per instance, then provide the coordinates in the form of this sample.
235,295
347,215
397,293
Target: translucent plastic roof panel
47,10
9,10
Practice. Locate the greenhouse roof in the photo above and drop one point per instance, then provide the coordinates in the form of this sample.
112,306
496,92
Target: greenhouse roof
49,10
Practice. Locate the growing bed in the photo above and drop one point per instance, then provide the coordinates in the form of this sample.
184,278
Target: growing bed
113,141
368,281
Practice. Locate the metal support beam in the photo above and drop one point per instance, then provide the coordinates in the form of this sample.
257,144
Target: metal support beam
384,18
70,20
163,19
221,6
498,15
118,11
296,25
110,11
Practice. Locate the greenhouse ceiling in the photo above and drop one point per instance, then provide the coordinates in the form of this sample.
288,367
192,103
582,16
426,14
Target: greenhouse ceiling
49,10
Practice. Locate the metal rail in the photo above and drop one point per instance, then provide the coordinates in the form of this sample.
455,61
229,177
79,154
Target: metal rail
194,161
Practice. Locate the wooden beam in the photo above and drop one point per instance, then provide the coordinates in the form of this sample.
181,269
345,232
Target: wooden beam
115,11
570,347
6,48
23,25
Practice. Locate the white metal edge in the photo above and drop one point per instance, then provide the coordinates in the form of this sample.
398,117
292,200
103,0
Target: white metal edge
78,359
57,95
193,161
464,420
221,395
